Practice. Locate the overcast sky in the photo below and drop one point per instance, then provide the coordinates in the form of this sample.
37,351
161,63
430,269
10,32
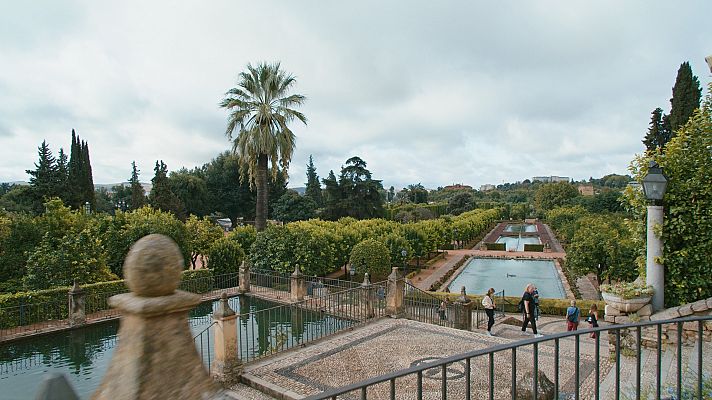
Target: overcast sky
437,92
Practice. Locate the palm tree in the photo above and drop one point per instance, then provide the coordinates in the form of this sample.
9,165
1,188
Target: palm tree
260,110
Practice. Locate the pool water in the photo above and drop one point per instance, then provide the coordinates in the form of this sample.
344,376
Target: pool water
514,243
512,276
83,354
520,228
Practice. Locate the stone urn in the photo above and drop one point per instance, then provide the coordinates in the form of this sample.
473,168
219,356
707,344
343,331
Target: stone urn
625,305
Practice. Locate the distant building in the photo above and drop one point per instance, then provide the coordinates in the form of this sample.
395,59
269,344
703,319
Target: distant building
586,190
551,179
457,186
486,187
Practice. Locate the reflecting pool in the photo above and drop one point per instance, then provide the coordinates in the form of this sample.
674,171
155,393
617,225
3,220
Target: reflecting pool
511,276
514,243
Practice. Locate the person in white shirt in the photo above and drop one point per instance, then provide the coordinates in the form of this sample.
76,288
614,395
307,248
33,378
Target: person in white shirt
488,304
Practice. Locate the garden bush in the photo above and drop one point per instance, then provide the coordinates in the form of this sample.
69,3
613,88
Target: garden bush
225,256
371,256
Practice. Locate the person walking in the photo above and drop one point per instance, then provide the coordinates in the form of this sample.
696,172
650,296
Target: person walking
489,305
442,310
593,318
573,314
527,307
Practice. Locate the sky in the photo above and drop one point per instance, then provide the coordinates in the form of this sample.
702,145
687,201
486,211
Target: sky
427,92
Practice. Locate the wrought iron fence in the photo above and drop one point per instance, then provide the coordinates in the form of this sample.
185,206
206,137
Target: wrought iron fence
432,380
422,306
266,332
271,283
480,315
202,344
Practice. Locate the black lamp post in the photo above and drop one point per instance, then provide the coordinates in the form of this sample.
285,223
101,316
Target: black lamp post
654,185
87,208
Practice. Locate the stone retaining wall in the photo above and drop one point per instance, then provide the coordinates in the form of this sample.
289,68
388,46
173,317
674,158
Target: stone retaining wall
669,332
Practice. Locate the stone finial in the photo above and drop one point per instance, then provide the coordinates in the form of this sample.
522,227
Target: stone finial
297,270
463,296
76,288
56,386
153,266
366,280
395,274
224,309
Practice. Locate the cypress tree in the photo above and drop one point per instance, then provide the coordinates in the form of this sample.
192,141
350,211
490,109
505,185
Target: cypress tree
62,175
74,172
87,179
686,95
161,196
138,195
313,189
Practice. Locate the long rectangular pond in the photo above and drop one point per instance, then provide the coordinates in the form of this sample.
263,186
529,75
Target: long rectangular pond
516,228
510,275
84,354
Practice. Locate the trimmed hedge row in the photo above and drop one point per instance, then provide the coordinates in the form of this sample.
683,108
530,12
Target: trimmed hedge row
546,306
25,308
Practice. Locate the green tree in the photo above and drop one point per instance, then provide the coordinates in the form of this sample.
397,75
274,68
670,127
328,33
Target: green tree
417,194
244,236
552,195
603,246
333,209
564,220
293,207
371,256
313,186
161,196
261,108
43,178
460,202
200,236
687,252
225,256
359,193
138,194
227,193
658,133
686,95
191,190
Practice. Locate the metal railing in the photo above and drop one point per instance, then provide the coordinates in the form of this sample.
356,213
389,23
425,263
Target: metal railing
266,332
271,283
480,315
202,343
481,364
422,306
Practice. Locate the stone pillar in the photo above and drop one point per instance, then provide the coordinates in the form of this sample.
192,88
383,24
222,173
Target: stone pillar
463,311
394,295
367,297
156,357
77,311
226,366
244,277
654,271
298,285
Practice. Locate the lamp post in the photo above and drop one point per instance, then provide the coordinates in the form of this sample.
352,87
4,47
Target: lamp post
454,237
654,185
404,253
352,271
87,208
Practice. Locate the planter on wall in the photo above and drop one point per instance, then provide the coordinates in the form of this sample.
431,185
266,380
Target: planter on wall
625,305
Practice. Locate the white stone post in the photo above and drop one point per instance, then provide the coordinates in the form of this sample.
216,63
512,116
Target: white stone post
395,294
226,366
367,297
244,277
298,287
77,311
654,271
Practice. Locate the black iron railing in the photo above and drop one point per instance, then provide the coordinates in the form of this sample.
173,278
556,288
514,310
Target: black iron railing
395,384
266,332
202,343
480,315
422,306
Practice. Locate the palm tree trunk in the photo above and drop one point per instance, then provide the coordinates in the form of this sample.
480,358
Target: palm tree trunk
261,185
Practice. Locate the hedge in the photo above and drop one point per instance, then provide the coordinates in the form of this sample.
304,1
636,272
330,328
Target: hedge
546,306
51,304
533,247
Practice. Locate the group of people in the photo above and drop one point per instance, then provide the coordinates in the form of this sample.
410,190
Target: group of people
529,307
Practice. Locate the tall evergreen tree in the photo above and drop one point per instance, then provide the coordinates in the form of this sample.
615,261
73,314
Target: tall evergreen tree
138,194
88,194
74,172
313,189
44,177
161,196
658,132
62,175
332,197
686,96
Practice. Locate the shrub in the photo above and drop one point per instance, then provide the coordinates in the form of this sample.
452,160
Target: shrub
244,236
371,256
225,256
628,290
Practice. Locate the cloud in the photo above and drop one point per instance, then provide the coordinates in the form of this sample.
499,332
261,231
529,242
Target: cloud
463,92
